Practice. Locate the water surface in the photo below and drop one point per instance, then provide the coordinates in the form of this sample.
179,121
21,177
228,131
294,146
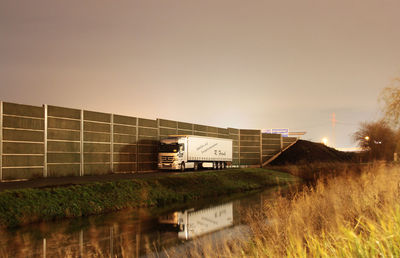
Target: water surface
170,230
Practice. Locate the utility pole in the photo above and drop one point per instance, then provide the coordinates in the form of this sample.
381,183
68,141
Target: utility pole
333,130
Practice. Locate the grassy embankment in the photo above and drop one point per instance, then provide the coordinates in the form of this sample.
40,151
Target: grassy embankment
351,215
312,171
20,207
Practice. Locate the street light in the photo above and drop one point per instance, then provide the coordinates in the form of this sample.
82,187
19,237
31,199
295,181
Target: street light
366,138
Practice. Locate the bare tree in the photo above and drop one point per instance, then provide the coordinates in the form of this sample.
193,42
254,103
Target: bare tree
377,139
390,96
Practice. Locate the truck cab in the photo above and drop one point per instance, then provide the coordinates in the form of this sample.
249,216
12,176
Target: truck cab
172,154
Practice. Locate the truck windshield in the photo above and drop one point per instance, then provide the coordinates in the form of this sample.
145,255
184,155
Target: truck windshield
169,147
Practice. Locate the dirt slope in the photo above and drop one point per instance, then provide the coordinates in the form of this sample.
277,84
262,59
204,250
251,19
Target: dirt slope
308,152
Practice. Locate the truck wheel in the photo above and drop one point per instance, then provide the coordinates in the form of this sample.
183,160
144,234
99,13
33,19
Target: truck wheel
196,166
183,167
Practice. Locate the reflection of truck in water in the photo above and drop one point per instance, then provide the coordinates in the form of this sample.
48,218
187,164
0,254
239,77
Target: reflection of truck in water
194,223
190,151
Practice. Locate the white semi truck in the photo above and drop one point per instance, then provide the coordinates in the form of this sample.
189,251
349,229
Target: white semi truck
193,223
190,151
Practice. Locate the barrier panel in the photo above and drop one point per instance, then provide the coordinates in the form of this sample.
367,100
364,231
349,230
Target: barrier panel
52,141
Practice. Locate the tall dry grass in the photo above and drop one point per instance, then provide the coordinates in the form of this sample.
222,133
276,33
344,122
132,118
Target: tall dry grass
355,214
351,215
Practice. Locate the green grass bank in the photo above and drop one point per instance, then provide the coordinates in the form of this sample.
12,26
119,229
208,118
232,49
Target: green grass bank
19,207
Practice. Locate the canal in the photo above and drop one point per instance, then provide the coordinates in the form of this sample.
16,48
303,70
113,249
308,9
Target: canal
171,231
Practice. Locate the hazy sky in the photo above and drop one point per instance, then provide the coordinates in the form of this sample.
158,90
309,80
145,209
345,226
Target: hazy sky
244,64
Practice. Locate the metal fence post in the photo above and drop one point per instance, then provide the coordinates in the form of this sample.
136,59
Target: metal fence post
137,145
112,144
239,150
1,141
261,150
45,140
158,133
81,172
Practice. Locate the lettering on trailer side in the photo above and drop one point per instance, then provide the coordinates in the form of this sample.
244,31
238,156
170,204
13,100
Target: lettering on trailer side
219,153
202,146
209,148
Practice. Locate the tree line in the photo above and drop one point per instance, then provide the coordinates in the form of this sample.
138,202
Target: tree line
380,140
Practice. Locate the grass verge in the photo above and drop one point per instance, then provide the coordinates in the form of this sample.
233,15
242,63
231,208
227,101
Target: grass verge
19,207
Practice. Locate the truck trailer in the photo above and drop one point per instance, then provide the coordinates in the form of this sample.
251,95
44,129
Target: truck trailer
180,152
194,223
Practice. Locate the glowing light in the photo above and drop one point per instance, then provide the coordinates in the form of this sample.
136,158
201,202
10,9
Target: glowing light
325,141
366,138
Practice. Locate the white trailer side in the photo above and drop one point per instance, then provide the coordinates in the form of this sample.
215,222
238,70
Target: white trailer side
202,148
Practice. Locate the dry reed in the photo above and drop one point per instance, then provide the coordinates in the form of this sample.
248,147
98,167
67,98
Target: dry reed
351,215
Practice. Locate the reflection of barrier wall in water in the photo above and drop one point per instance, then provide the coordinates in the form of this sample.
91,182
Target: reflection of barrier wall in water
129,233
195,223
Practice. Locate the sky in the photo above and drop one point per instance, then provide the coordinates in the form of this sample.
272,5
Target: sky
243,64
